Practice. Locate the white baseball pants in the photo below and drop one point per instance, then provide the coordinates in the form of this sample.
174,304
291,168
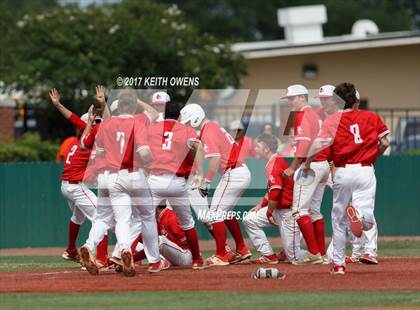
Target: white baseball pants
289,231
307,199
81,200
176,255
355,184
174,189
232,185
367,244
127,191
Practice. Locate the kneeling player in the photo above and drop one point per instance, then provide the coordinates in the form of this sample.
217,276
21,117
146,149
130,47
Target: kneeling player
173,246
275,208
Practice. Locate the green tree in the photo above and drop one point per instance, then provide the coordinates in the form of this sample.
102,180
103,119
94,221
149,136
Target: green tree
238,20
74,50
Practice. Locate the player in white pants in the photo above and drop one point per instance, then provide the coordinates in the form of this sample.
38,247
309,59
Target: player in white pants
173,245
222,152
356,139
171,143
259,217
307,198
126,185
81,200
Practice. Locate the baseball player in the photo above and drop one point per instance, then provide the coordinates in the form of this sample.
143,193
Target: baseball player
173,245
81,200
222,152
275,207
364,249
97,164
170,143
126,185
356,138
307,198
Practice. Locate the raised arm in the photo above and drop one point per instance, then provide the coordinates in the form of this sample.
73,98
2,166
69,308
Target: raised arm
55,99
151,113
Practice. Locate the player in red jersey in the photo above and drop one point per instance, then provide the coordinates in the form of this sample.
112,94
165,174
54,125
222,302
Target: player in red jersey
96,165
356,139
173,245
307,198
275,207
171,143
127,187
222,151
82,201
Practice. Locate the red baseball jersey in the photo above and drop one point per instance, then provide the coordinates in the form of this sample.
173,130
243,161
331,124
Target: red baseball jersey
76,160
354,136
306,129
218,142
274,175
115,141
170,143
168,226
246,149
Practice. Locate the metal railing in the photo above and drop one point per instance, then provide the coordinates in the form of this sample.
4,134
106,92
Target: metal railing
404,123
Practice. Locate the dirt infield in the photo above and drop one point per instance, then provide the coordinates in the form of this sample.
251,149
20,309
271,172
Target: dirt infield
389,275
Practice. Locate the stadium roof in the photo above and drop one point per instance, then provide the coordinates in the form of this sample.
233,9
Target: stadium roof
276,48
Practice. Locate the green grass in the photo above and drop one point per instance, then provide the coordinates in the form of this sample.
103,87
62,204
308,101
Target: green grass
404,248
400,248
208,300
15,263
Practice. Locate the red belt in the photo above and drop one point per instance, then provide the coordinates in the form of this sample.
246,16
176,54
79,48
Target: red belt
361,164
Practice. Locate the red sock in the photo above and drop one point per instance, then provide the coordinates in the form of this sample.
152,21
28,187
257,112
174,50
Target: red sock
139,256
236,233
320,235
211,232
305,225
219,231
135,242
102,250
73,233
192,240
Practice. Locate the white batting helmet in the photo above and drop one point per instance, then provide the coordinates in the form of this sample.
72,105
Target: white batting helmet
160,98
192,113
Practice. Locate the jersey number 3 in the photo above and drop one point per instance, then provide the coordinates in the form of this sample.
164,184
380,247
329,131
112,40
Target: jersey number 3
166,145
354,129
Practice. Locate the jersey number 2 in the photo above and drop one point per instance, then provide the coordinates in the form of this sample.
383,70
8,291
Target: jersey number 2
168,141
71,153
354,129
